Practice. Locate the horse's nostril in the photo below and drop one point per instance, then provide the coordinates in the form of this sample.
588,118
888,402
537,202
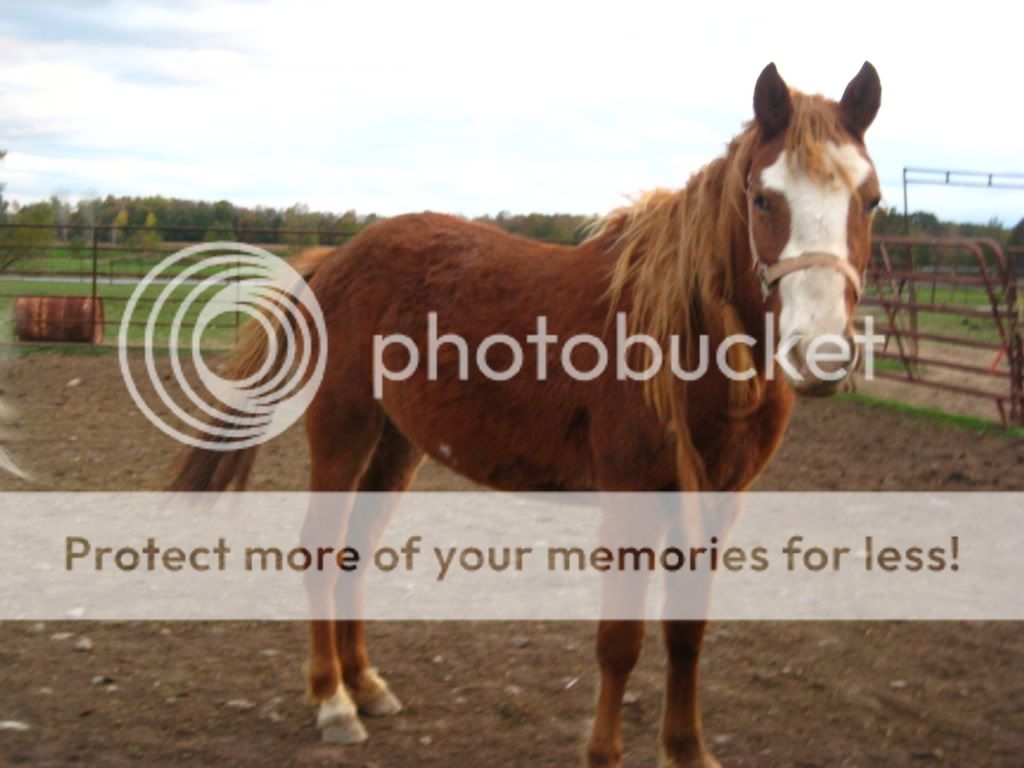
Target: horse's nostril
830,357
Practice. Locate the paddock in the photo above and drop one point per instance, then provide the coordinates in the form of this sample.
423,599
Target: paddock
775,694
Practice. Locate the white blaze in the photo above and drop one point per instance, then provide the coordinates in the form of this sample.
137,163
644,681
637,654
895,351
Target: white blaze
813,299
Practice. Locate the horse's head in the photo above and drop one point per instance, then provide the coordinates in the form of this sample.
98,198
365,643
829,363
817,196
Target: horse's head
811,194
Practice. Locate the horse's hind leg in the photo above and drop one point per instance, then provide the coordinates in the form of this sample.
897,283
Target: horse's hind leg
342,439
681,734
391,471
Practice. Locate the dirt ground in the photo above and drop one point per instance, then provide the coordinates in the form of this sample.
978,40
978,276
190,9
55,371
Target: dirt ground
774,693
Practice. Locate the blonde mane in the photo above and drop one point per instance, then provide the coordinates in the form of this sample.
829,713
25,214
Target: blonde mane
674,268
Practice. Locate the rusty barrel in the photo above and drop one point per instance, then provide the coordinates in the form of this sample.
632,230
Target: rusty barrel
59,318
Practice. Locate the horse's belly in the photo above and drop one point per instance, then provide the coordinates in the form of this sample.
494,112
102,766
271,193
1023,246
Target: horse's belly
520,444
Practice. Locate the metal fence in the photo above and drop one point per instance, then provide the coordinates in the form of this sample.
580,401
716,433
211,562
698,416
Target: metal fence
72,284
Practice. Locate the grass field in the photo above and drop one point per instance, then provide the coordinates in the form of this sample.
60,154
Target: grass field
965,297
112,261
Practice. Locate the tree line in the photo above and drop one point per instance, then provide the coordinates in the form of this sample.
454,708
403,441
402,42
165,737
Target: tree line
178,220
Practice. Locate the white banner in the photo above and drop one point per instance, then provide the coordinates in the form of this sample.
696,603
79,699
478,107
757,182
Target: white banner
498,556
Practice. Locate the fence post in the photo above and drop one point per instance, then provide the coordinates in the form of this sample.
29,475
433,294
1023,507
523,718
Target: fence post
1015,339
95,277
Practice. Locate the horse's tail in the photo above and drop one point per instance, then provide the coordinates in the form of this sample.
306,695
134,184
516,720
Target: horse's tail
7,464
206,469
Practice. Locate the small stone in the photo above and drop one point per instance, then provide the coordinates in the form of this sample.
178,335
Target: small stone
513,690
270,652
84,645
519,641
426,741
37,629
110,688
898,684
722,739
102,680
74,382
242,705
571,683
460,699
13,725
61,635
165,632
630,698
438,659
45,691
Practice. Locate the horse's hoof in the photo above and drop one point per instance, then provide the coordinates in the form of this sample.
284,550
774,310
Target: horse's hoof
343,732
373,697
381,704
338,721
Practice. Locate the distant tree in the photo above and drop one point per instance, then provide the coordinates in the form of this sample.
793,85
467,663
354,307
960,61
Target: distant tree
1017,234
1016,241
61,216
117,226
300,226
149,238
30,241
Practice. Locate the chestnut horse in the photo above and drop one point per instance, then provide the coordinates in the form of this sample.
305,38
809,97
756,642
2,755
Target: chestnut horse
780,224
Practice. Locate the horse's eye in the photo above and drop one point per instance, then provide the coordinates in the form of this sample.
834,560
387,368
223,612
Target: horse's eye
762,203
873,204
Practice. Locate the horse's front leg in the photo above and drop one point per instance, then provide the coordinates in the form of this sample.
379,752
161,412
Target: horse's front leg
682,737
369,690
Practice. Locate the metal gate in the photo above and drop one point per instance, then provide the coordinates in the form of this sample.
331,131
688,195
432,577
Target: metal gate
950,309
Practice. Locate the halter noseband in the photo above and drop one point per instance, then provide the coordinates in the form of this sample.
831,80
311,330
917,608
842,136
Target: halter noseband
770,274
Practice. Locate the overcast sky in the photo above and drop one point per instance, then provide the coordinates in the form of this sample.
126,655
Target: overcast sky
479,107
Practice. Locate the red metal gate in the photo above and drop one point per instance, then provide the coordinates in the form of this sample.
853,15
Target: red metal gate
950,309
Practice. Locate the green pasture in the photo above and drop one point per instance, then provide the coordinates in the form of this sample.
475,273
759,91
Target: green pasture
967,297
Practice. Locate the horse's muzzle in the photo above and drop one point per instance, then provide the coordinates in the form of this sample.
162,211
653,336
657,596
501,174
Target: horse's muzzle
822,365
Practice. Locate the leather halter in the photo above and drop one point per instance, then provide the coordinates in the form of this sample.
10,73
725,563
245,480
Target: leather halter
770,274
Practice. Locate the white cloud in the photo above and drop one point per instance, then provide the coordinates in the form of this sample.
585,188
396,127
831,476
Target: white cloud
474,107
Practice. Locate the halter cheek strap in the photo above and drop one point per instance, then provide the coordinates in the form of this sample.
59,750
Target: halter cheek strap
771,274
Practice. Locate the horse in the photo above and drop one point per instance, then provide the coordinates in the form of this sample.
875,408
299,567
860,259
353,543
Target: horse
770,240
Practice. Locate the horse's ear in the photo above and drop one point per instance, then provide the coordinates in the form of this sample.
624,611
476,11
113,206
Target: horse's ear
861,100
772,104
